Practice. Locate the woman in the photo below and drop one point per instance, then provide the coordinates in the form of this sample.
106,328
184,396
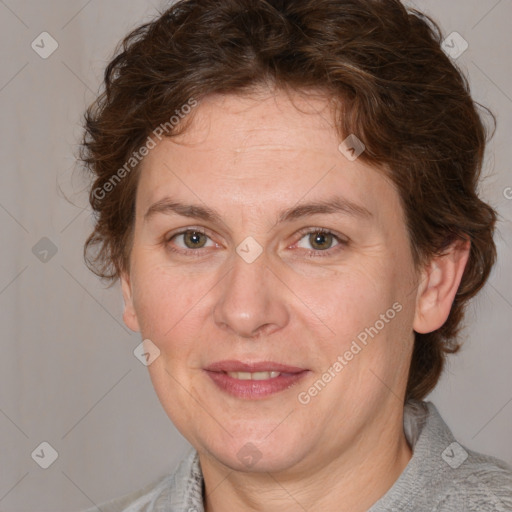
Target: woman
286,191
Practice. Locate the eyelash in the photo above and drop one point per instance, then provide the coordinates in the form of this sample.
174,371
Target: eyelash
310,253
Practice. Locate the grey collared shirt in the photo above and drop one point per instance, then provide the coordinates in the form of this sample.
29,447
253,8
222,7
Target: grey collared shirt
442,476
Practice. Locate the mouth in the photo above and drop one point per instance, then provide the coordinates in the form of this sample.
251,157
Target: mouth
254,380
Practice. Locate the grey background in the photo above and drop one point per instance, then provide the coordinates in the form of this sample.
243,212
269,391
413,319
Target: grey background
68,375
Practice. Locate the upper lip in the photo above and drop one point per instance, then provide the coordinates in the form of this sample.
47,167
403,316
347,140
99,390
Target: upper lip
256,366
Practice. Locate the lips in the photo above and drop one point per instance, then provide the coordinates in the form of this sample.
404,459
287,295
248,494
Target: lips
253,380
257,366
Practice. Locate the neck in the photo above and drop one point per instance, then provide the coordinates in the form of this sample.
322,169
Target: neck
349,481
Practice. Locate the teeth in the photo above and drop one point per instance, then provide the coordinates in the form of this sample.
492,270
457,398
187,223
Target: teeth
253,376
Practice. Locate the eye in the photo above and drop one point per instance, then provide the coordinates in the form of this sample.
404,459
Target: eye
190,239
320,240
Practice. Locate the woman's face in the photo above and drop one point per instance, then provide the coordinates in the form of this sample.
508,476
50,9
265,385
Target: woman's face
237,267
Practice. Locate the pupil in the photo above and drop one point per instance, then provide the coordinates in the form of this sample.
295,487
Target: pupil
320,239
193,239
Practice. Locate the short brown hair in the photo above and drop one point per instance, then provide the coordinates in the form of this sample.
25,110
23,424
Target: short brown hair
400,94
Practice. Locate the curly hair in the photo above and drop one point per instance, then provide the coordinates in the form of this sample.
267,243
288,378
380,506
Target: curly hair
385,66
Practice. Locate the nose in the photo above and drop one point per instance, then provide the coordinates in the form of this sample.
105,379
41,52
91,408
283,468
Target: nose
252,300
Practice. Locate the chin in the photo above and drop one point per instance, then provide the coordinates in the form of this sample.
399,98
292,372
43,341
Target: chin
256,456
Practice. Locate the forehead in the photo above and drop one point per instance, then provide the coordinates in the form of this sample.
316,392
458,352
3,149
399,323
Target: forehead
263,150
275,119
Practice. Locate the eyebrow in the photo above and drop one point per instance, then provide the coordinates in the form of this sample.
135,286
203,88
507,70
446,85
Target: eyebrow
333,205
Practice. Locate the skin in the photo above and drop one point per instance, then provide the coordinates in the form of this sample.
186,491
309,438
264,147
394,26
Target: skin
248,158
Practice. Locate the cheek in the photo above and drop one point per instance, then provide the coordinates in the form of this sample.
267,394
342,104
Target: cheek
165,299
351,299
368,313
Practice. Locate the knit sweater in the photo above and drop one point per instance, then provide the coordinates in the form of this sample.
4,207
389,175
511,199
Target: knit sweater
441,476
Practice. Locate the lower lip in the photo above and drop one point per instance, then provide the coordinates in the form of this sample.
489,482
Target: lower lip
253,389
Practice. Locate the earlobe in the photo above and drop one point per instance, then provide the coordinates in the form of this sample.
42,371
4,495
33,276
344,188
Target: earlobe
129,314
440,280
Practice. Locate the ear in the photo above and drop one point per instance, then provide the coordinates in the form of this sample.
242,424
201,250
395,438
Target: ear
440,280
129,315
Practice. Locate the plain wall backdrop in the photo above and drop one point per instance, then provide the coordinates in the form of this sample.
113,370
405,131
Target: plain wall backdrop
68,375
